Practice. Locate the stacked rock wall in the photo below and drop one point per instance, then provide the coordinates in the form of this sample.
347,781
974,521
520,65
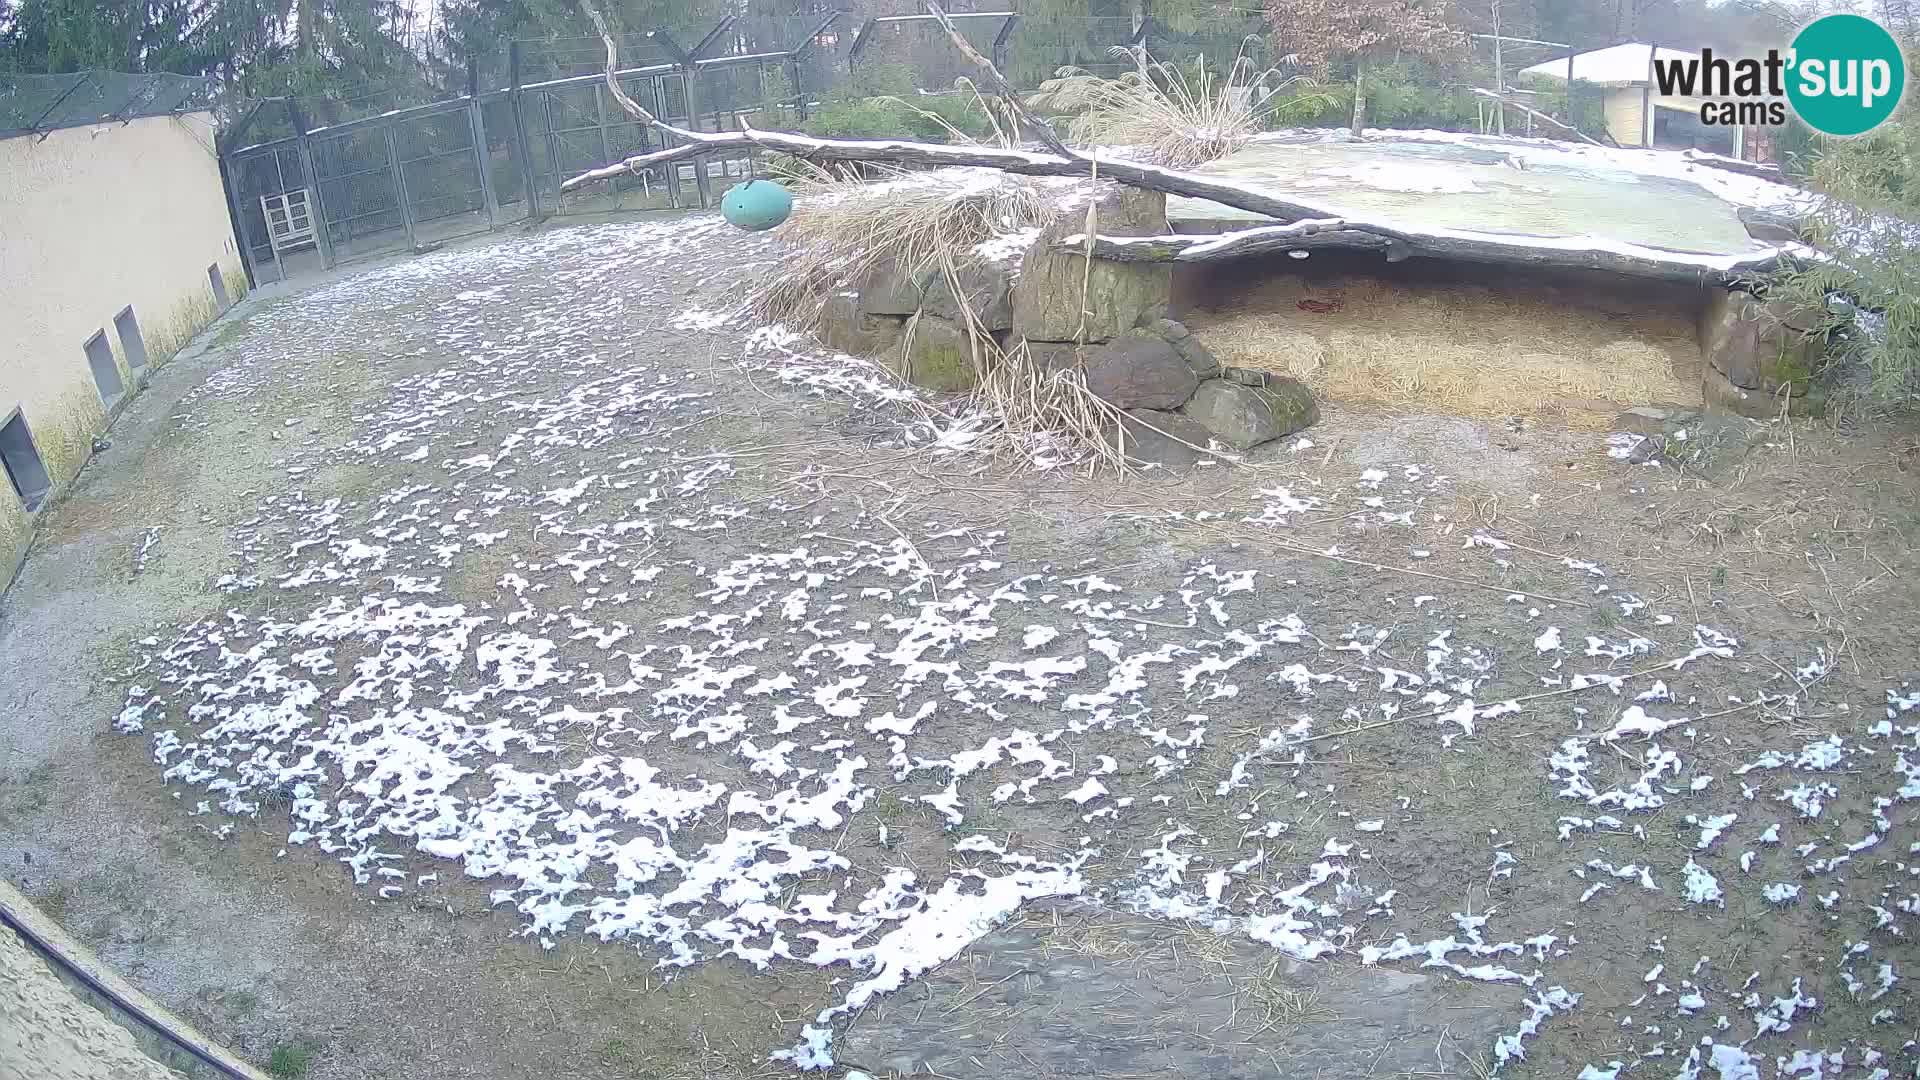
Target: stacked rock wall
1106,319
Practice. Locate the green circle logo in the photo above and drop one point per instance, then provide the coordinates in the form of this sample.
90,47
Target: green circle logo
1846,75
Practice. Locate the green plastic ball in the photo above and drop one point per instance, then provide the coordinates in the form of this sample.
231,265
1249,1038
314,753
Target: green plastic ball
756,205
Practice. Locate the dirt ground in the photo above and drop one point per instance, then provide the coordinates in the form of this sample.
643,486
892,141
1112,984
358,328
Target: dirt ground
496,664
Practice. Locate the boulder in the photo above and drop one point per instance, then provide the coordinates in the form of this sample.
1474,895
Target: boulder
1048,293
889,289
1713,446
1243,417
935,355
1770,227
1050,356
1198,357
1200,360
985,288
1719,392
1139,371
843,326
1153,437
1760,345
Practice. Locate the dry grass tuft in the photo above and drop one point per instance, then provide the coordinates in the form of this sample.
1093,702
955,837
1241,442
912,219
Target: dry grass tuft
847,221
1168,114
1046,415
1464,350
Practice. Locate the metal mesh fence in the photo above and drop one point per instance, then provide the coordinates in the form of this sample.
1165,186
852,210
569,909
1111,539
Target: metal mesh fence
373,170
30,104
379,170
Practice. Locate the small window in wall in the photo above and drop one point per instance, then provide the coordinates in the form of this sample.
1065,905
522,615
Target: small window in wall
131,343
24,467
106,373
219,286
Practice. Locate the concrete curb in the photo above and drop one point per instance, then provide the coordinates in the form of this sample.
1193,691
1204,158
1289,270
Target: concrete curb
163,1036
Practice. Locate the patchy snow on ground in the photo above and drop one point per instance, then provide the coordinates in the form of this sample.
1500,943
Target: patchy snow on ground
571,646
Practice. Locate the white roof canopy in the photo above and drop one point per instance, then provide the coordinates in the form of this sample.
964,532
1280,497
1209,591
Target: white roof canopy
1618,65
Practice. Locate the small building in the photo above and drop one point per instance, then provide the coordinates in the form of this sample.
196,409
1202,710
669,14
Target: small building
1637,114
116,247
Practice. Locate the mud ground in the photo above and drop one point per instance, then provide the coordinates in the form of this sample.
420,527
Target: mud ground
1797,540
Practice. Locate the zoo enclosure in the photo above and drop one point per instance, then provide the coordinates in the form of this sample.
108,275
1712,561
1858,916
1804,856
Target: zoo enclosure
308,196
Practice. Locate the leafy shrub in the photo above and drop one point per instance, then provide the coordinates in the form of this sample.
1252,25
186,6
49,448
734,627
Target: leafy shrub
1869,282
1406,94
880,101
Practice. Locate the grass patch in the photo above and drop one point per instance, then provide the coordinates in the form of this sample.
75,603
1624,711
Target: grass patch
228,334
54,903
291,1060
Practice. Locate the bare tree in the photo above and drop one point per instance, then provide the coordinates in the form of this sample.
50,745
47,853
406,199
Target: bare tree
1323,32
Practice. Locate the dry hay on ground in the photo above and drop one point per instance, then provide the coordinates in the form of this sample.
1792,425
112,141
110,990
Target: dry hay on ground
1476,350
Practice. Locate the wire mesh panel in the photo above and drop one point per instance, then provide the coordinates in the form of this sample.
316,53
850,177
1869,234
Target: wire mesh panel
261,179
503,163
358,194
39,103
440,175
1043,44
922,49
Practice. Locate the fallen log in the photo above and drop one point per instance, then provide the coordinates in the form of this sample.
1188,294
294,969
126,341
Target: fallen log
1574,253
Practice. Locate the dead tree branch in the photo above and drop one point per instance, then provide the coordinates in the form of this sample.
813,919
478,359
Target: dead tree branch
997,82
1537,115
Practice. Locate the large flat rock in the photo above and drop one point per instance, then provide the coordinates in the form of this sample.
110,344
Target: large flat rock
1075,990
1481,184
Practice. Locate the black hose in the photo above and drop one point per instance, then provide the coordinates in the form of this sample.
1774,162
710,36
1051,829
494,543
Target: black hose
59,961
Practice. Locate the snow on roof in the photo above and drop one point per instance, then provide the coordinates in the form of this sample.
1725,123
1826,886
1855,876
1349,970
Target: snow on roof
1618,65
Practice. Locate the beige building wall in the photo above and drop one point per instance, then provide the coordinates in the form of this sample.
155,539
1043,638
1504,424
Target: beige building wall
93,219
1625,115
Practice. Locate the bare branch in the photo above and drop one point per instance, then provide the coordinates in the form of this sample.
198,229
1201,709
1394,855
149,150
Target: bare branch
997,82
632,107
1537,114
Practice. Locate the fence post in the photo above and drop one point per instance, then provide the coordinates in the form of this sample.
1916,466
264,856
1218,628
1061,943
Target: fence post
700,183
600,104
400,189
233,217
322,233
799,91
477,125
1573,117
1000,41
553,145
521,149
1646,101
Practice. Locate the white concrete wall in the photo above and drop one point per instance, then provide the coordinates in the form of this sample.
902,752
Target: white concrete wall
93,219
